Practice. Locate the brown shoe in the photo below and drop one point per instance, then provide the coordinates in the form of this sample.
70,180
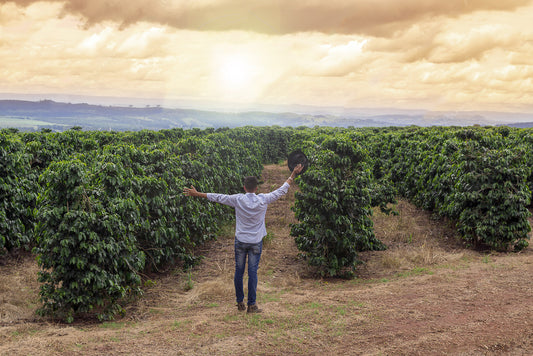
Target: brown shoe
253,309
241,306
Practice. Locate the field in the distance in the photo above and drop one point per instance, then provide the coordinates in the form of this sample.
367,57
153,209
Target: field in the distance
7,122
425,295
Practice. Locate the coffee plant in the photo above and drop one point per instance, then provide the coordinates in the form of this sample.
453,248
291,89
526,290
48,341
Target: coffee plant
334,206
85,246
18,192
478,177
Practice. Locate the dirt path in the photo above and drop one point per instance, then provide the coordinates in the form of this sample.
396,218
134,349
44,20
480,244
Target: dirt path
425,295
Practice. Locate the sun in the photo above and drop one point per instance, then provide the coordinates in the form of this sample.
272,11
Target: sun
235,74
235,71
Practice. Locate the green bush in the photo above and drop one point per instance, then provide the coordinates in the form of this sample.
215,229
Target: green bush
87,253
17,194
490,197
334,207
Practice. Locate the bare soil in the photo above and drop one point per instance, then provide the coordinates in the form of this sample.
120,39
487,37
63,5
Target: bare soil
425,295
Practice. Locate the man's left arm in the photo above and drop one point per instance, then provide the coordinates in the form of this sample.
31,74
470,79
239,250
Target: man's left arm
214,197
192,192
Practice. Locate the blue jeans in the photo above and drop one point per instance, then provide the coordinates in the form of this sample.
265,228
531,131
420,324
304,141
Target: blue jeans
253,251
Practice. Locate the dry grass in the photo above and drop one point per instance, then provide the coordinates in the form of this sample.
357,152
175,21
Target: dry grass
414,240
19,289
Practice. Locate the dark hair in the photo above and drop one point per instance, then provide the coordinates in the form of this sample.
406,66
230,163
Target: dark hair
250,183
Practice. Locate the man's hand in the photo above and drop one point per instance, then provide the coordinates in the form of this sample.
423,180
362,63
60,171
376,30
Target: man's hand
297,170
192,192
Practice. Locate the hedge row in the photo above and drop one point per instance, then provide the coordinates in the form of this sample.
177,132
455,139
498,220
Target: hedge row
477,177
335,201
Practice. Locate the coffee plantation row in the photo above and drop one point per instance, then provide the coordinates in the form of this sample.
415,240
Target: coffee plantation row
99,209
479,178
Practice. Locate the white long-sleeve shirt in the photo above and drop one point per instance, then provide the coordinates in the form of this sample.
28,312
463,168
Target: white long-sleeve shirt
250,211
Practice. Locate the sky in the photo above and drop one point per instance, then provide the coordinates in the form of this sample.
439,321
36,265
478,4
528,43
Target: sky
410,54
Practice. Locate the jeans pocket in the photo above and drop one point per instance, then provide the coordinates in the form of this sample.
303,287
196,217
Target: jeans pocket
256,249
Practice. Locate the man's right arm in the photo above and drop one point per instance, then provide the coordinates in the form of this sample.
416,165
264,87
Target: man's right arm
278,193
294,173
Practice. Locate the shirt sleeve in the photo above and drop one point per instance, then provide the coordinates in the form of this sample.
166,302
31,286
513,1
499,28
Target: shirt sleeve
276,194
223,198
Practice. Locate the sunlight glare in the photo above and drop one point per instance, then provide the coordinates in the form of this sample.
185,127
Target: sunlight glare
235,73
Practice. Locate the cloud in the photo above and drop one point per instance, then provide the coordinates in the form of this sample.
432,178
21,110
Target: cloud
478,37
370,17
460,47
449,45
337,60
337,52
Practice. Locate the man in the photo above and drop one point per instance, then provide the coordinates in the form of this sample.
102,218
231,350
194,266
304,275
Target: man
250,211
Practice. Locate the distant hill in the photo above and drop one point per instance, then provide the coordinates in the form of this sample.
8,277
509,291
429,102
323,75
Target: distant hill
521,125
30,115
59,116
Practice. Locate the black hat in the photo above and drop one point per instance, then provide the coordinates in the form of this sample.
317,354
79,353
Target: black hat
295,158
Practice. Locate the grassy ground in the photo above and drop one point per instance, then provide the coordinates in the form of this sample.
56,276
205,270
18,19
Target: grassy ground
425,295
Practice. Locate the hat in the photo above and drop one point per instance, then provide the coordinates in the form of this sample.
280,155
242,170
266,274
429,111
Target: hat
295,158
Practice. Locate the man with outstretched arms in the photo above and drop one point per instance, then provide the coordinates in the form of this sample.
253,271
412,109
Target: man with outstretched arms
250,211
